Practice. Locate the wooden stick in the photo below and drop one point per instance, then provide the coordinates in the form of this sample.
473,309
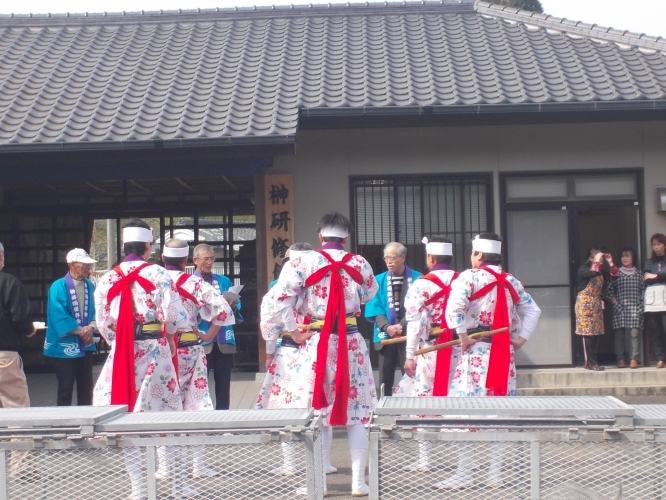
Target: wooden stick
397,340
437,347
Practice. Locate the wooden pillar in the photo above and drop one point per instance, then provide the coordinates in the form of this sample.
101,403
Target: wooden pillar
275,233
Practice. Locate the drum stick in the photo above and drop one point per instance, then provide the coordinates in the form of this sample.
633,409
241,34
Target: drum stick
437,347
397,340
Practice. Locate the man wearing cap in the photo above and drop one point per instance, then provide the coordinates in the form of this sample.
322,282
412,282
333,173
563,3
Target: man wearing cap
387,311
224,343
200,300
334,284
70,316
486,298
425,305
135,303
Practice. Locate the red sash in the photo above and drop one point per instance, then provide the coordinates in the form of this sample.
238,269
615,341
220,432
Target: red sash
443,365
500,352
334,307
185,295
123,388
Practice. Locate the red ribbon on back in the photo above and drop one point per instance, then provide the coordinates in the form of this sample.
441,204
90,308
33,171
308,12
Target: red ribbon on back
334,307
443,364
123,388
500,352
185,295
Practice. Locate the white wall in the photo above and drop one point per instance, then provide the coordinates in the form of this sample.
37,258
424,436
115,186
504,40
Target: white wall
324,160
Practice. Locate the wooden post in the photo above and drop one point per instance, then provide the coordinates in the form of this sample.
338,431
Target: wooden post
275,232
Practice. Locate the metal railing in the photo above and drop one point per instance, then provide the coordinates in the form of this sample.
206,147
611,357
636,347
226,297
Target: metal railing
562,448
104,452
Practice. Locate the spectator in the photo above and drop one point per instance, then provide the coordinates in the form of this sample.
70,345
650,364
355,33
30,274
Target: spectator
70,316
626,294
224,344
387,311
655,296
589,304
15,322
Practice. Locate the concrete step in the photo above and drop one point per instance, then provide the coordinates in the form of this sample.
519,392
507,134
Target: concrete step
573,379
618,391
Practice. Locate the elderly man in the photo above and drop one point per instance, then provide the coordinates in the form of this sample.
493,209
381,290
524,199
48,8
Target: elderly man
224,343
387,311
15,322
70,315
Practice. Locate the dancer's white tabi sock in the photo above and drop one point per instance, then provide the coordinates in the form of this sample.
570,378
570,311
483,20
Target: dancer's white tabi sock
326,442
358,445
134,469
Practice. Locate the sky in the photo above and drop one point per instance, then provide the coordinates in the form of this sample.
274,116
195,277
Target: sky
641,16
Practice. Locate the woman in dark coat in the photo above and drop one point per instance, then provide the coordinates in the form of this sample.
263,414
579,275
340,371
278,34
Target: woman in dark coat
626,294
655,296
589,304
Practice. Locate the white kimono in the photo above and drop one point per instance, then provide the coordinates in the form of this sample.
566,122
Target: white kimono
155,378
278,315
192,365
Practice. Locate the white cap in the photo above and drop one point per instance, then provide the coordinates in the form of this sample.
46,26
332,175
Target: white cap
79,255
334,231
437,248
137,234
486,246
176,252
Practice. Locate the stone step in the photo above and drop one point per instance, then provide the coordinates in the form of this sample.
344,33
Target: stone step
579,378
618,391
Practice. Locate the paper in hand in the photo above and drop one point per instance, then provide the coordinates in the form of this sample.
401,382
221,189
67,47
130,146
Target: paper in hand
233,294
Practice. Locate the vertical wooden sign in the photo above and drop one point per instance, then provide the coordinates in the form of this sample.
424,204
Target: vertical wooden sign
278,210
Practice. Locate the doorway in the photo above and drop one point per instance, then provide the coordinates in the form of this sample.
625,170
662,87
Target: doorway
550,223
611,228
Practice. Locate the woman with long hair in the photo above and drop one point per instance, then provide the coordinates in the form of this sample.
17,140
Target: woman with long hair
589,304
654,274
625,292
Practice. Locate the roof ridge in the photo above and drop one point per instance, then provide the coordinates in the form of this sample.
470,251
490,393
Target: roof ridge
574,27
190,15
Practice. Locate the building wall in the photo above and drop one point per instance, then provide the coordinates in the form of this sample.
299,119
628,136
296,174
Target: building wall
324,160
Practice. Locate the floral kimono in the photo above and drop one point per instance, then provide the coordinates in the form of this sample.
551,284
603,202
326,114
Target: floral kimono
155,379
192,367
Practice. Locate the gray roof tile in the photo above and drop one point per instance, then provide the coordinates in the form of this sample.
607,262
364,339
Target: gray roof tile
247,72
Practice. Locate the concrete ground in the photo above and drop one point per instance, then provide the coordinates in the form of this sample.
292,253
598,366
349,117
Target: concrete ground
244,389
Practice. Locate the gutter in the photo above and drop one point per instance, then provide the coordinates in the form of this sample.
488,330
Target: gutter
478,109
151,144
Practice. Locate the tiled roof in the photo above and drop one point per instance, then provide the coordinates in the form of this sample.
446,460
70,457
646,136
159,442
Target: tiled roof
243,76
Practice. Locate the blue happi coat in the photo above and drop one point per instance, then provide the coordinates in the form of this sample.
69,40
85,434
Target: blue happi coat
60,321
379,304
226,335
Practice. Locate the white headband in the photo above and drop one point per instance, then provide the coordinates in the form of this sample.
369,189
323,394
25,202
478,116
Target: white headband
176,252
486,246
334,232
437,248
137,234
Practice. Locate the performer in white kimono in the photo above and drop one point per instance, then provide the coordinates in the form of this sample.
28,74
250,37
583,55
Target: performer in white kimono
335,283
289,379
200,300
485,298
425,305
134,302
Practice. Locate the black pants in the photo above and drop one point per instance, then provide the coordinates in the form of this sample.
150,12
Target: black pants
221,364
656,325
590,348
389,355
79,370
